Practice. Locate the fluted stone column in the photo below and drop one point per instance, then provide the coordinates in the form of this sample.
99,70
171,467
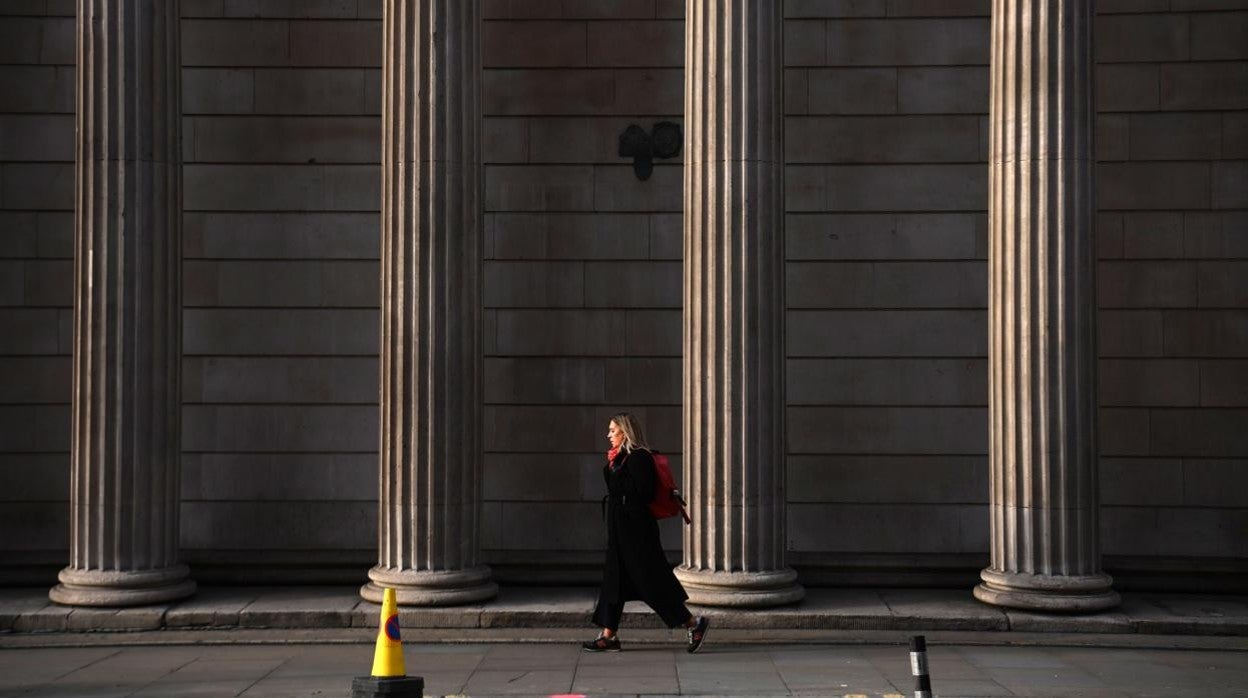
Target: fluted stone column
1042,312
431,384
734,306
127,310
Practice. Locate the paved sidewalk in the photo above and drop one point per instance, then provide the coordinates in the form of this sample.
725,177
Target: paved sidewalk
721,669
28,610
310,641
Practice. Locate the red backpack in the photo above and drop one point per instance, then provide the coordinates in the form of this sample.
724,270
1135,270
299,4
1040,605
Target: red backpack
667,501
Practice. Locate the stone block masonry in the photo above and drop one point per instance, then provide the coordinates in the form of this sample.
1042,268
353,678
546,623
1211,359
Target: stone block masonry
1170,200
886,196
885,108
582,275
281,105
37,78
1168,184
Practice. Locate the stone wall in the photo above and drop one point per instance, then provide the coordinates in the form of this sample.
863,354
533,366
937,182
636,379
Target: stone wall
582,263
37,55
887,290
886,115
1172,179
886,146
282,187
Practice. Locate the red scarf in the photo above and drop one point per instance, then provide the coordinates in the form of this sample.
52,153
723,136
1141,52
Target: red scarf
611,454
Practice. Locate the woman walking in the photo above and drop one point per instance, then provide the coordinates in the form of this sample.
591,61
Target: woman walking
635,566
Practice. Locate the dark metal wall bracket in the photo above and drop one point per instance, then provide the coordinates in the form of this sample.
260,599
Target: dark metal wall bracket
663,141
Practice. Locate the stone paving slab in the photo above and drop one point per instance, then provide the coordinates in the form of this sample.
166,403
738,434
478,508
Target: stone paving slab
141,618
301,607
14,603
46,618
839,609
942,609
1110,622
721,669
212,607
557,607
1184,614
546,608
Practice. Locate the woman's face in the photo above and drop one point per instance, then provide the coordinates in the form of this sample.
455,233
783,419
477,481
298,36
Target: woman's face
615,435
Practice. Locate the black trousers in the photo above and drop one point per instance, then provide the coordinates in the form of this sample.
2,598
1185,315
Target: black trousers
607,614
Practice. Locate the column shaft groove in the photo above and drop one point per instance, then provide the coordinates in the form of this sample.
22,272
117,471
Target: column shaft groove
1042,312
734,306
125,450
431,370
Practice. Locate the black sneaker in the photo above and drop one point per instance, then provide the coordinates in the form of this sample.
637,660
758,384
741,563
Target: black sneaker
602,644
697,634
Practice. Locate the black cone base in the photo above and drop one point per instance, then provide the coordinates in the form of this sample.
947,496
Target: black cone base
398,687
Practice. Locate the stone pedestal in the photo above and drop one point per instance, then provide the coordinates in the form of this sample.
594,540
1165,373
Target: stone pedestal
127,310
734,306
1042,313
431,366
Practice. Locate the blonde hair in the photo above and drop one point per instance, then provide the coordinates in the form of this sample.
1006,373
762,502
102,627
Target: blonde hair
633,435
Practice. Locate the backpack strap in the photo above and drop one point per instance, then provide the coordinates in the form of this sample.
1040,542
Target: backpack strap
684,513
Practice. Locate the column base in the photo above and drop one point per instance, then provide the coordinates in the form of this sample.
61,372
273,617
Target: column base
122,587
1048,593
430,588
741,589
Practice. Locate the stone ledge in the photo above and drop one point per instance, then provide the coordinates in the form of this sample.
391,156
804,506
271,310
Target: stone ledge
546,608
638,636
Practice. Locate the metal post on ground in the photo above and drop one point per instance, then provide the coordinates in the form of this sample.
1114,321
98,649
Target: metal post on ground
918,667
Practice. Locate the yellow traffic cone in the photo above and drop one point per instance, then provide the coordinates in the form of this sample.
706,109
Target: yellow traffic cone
388,657
389,677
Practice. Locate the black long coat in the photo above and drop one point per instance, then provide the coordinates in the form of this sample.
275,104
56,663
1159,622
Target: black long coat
636,567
